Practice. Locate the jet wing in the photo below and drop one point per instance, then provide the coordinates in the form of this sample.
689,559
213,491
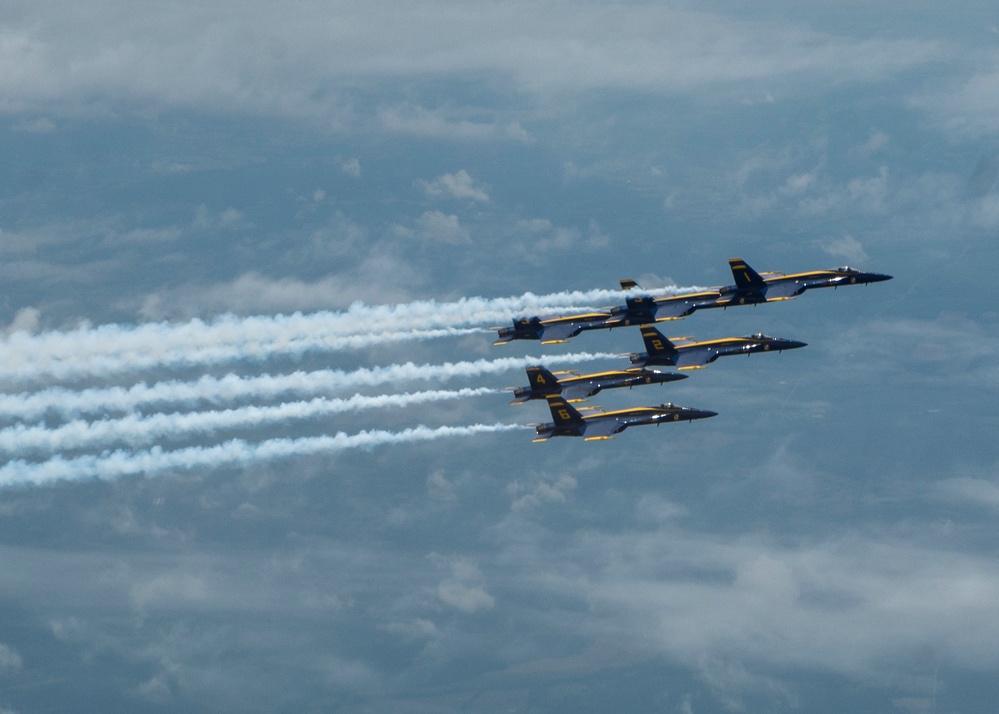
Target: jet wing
575,392
602,429
561,331
785,289
675,308
697,357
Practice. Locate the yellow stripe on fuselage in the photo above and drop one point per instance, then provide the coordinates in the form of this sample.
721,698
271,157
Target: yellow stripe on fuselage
633,411
571,318
596,375
686,296
806,274
722,341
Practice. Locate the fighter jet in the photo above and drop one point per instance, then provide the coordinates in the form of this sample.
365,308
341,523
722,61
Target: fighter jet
694,355
604,425
577,387
637,310
752,288
552,329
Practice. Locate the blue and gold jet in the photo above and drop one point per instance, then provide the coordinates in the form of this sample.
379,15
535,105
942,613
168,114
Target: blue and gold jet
575,387
567,421
694,355
752,288
637,310
551,330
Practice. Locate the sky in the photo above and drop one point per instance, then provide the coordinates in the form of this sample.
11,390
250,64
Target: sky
257,455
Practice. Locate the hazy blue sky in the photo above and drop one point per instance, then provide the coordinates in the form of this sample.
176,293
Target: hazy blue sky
179,179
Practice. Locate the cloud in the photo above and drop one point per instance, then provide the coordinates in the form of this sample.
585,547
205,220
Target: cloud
542,489
170,590
830,606
538,238
35,126
26,320
464,589
308,61
350,167
380,278
447,123
437,227
9,658
973,491
456,185
848,248
966,107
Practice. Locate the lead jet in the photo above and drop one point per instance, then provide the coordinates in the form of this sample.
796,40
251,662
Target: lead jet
576,387
752,288
694,355
567,420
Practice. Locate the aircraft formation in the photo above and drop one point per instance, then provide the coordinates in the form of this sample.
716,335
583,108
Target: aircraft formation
561,389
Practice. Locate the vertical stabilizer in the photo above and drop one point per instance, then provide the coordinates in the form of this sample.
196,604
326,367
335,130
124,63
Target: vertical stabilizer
564,415
657,344
745,277
542,381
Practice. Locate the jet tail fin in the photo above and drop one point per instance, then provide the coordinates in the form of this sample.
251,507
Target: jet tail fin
656,343
745,276
542,380
628,284
563,413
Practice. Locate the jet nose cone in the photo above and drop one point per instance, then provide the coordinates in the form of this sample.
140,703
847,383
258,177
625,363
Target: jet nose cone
793,344
691,414
877,277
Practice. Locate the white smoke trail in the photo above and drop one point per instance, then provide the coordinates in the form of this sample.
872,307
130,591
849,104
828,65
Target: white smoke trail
230,388
137,430
111,349
154,461
58,359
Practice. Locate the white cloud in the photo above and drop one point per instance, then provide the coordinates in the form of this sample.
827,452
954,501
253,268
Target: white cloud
447,123
9,658
35,126
653,508
307,58
847,248
543,489
832,605
228,218
437,227
381,278
456,185
538,238
875,142
169,590
464,589
26,320
440,489
351,167
968,108
975,491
